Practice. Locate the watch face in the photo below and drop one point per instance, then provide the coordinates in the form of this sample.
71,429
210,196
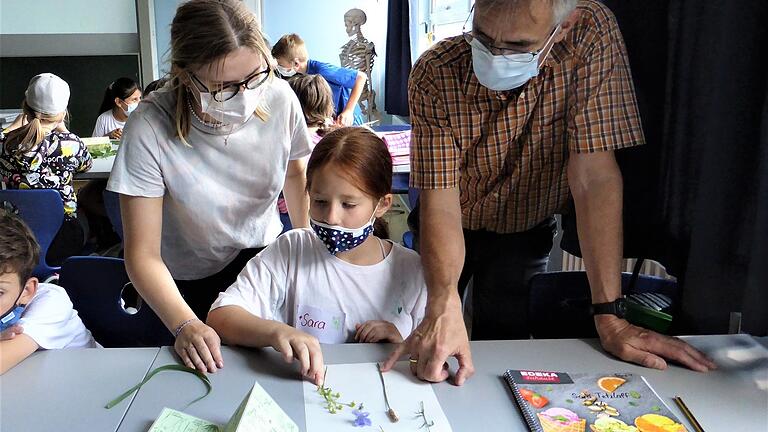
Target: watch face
621,307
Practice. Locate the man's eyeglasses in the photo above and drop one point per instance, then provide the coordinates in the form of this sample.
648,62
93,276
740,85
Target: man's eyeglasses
508,53
231,90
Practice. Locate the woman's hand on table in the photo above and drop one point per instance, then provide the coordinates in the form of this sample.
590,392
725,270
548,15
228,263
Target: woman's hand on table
295,344
199,347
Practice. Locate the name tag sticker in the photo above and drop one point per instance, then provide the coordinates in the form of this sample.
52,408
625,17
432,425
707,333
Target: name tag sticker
326,326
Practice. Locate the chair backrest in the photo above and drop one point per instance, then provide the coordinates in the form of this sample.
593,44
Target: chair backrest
43,211
95,285
559,302
112,206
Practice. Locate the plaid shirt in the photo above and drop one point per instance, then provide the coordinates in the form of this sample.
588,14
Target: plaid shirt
508,151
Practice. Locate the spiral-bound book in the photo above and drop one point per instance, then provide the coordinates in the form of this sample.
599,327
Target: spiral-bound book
562,402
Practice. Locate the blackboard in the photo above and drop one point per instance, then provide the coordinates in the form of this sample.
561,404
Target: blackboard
88,77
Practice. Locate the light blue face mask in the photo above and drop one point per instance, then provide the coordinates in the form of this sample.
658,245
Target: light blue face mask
131,108
504,72
13,315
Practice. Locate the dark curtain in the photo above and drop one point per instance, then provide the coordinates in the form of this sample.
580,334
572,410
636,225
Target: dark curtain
696,196
398,64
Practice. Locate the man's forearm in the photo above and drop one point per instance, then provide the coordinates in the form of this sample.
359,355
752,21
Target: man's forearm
442,248
599,225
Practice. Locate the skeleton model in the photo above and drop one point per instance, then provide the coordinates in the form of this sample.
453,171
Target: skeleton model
359,54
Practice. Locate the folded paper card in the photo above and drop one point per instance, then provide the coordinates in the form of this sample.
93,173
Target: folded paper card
258,412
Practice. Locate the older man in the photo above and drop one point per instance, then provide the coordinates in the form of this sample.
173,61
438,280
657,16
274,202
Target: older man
510,119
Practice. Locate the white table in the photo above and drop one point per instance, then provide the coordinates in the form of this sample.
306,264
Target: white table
7,116
67,389
100,169
724,400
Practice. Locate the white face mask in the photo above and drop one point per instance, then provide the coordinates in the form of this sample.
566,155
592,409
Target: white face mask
286,72
502,72
233,111
131,108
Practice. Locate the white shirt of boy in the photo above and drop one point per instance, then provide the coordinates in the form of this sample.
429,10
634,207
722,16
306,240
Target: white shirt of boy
220,192
106,123
298,282
50,320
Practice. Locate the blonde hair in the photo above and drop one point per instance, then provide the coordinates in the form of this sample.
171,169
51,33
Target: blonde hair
204,31
289,46
33,133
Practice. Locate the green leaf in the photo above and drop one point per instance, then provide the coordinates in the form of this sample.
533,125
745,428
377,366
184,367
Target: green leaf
169,367
655,408
635,394
548,388
569,400
633,403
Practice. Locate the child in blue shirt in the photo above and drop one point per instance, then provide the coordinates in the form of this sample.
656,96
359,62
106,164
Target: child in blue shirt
346,84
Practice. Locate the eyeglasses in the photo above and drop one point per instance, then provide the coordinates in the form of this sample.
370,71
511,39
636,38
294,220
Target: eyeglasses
508,53
231,90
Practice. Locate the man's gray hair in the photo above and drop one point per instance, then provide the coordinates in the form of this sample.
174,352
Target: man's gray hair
560,8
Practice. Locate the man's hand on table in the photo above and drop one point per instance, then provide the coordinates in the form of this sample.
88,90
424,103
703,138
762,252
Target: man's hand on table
647,348
441,334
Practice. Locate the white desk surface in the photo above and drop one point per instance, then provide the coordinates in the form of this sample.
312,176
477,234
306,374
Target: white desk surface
723,400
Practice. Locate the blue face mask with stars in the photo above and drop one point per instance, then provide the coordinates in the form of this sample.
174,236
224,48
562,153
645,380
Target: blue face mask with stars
340,239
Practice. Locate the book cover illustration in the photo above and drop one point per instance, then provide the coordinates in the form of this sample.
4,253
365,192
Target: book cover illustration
561,402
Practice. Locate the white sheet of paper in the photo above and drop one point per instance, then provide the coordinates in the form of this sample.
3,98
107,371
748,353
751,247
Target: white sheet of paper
360,383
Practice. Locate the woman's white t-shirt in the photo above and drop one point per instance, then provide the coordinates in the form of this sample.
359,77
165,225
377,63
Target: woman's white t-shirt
106,123
52,323
298,282
220,191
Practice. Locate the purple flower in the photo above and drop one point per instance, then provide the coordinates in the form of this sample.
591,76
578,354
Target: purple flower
361,418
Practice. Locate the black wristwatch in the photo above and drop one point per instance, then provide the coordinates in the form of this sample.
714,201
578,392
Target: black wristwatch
617,307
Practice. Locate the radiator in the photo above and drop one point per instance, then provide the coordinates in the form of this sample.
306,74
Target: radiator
649,268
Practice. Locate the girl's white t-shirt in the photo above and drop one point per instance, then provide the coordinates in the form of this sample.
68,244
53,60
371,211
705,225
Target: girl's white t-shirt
52,323
220,191
106,123
298,282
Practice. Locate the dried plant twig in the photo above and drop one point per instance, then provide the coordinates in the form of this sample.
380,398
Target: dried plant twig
390,412
420,413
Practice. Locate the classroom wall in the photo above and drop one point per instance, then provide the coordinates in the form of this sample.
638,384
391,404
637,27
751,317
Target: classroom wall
70,16
321,25
87,42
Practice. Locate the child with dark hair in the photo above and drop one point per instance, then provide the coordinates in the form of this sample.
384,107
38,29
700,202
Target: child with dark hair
34,315
337,281
121,97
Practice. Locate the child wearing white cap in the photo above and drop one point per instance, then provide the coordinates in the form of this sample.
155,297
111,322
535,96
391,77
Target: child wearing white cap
43,154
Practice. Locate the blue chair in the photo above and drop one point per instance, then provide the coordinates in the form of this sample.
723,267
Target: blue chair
95,286
559,302
112,206
43,212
